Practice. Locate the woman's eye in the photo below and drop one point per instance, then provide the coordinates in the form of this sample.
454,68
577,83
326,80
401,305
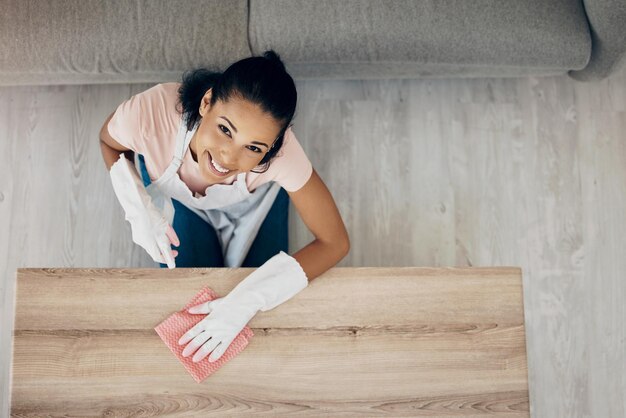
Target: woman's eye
256,149
222,126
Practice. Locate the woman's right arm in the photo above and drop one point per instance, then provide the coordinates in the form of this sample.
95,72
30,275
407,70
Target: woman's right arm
149,228
111,149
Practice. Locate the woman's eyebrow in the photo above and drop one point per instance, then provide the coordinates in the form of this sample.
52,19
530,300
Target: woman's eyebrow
235,129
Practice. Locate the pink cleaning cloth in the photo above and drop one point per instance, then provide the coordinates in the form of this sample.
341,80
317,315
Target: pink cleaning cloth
182,321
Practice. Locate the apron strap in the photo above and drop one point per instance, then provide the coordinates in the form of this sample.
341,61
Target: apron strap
183,139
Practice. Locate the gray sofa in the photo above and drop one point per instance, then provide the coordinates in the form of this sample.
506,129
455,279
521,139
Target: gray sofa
47,42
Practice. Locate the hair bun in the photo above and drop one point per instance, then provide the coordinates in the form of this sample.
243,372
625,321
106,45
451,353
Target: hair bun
274,58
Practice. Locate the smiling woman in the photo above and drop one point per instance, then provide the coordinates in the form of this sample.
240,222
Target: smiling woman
199,144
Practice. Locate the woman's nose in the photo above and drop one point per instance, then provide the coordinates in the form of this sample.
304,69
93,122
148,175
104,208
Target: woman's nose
229,159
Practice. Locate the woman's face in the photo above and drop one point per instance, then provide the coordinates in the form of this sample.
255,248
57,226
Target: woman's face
238,145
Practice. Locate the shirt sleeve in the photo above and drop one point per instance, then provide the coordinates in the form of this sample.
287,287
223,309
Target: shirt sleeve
127,126
292,166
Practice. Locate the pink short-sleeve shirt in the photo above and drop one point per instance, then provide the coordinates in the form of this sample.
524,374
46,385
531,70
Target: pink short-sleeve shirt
148,122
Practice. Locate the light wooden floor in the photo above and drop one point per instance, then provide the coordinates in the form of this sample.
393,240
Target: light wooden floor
527,172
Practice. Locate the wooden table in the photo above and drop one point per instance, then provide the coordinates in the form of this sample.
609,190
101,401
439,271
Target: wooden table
366,341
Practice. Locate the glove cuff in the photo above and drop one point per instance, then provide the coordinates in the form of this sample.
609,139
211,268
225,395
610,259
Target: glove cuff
276,281
129,189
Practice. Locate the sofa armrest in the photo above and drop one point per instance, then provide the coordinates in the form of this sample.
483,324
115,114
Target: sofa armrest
607,20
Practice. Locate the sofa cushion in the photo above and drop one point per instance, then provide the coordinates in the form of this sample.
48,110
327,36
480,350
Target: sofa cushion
608,39
121,41
431,38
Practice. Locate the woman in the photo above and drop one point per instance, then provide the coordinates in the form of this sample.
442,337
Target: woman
223,210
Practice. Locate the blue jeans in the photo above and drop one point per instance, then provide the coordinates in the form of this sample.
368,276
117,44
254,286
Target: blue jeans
200,247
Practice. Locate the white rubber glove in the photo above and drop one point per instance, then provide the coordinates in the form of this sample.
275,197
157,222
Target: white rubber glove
149,228
276,281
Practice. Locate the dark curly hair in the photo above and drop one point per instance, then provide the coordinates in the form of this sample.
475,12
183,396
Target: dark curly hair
262,80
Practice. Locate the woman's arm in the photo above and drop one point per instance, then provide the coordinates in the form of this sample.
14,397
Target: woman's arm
318,210
111,149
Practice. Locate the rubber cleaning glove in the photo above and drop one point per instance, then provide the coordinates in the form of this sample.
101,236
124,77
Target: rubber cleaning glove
276,281
150,229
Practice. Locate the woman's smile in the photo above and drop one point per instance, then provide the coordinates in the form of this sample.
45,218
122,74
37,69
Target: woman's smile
213,169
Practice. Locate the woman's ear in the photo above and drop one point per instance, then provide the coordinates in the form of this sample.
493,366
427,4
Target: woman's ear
205,102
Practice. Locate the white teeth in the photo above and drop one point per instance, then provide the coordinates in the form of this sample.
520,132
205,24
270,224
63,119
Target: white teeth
218,167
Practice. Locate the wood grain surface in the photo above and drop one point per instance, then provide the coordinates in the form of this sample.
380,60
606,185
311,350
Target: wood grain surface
367,341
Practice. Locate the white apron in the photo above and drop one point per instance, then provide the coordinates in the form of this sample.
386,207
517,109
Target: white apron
234,212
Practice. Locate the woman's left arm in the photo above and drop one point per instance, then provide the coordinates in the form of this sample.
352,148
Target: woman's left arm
277,280
317,208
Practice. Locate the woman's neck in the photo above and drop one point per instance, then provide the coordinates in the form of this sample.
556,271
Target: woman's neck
192,147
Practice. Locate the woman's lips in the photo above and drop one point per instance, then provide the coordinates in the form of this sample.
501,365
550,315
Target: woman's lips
213,170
